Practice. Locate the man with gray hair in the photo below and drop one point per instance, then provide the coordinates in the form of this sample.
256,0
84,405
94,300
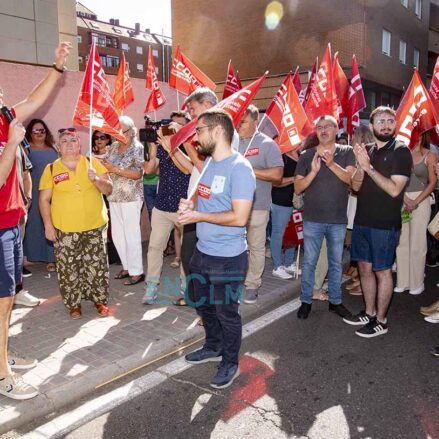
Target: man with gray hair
266,159
324,174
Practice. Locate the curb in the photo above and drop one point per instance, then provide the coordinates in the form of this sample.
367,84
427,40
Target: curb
47,403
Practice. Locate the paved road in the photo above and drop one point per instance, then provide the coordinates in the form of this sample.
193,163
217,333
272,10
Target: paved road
313,379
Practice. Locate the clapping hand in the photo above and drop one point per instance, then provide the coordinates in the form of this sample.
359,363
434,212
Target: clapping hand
362,156
316,163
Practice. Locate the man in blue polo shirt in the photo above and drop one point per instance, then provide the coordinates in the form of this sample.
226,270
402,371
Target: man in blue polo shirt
219,263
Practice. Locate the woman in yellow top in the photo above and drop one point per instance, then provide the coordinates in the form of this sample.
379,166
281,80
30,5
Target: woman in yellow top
75,219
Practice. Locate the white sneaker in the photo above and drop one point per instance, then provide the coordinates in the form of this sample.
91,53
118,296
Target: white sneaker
24,298
433,318
400,289
281,273
14,387
292,269
19,362
417,291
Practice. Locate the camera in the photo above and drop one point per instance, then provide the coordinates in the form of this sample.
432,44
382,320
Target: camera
149,133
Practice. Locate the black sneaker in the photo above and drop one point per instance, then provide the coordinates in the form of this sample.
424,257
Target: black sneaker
203,355
304,311
26,272
358,319
435,351
372,329
340,310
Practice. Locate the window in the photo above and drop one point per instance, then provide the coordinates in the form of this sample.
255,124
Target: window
127,63
416,58
155,53
112,42
79,59
110,61
157,70
405,3
125,46
402,51
79,38
387,38
139,50
418,8
140,67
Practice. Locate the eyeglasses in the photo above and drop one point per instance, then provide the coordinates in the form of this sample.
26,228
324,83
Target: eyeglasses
70,130
384,121
38,130
198,129
324,127
124,132
100,137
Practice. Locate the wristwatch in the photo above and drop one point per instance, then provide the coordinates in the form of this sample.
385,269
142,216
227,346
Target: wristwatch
64,68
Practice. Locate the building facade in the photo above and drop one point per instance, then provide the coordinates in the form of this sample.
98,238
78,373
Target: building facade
389,37
113,39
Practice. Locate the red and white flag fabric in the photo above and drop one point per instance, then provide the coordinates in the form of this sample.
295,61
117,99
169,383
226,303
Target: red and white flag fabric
186,77
311,81
289,117
356,98
415,114
298,86
342,89
233,83
434,94
123,90
156,98
235,105
323,100
95,107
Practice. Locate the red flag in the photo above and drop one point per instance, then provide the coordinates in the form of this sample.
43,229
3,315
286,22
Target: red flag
298,86
356,98
311,81
186,77
235,105
104,117
289,117
156,98
123,91
323,100
341,88
233,83
434,94
415,114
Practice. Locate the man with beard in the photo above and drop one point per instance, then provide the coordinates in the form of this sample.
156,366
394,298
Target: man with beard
219,263
381,176
324,175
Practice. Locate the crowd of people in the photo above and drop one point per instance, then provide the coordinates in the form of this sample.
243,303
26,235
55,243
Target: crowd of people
218,198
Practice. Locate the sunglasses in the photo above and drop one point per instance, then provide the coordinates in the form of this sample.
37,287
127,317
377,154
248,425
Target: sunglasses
69,130
38,130
100,137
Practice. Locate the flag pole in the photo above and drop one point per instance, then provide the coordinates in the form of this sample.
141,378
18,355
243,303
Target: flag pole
178,100
192,192
92,58
155,116
254,134
296,274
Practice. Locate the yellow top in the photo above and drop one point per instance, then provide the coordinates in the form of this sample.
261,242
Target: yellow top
77,204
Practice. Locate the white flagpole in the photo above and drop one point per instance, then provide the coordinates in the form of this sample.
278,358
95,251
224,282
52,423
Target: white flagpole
296,274
178,100
191,194
254,134
155,116
92,60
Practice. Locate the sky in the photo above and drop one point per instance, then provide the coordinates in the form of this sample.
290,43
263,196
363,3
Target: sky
151,14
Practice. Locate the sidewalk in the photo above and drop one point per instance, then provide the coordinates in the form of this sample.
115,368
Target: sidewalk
75,356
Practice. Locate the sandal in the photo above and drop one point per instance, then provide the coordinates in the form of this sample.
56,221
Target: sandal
122,274
180,302
357,291
75,313
320,295
134,280
51,267
176,262
102,309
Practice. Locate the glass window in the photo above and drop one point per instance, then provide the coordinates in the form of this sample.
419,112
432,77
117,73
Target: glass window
79,59
79,38
155,53
125,46
405,3
387,38
416,58
139,50
418,8
140,67
402,51
157,70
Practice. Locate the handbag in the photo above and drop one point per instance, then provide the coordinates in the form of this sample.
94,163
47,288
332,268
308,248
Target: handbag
433,226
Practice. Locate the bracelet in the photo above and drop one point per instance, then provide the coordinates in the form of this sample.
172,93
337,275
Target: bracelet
62,70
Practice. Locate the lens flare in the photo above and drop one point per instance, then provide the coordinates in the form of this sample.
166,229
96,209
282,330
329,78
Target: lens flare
273,15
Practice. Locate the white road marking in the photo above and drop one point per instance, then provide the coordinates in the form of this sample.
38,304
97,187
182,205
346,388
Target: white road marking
100,405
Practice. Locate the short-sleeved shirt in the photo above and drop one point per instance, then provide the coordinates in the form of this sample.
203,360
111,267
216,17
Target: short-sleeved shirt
126,190
263,153
173,183
283,196
224,181
77,204
375,207
11,202
326,198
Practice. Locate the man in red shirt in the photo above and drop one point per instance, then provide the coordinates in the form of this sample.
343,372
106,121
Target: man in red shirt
11,212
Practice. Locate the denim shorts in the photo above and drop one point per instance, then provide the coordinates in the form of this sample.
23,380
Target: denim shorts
377,246
11,260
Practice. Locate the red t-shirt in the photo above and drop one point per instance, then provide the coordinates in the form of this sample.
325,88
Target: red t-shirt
11,201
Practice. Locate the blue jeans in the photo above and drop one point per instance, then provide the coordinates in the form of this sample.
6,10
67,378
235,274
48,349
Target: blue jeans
218,284
11,260
313,234
280,216
149,193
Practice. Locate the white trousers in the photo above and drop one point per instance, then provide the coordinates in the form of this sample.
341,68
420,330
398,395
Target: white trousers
125,230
